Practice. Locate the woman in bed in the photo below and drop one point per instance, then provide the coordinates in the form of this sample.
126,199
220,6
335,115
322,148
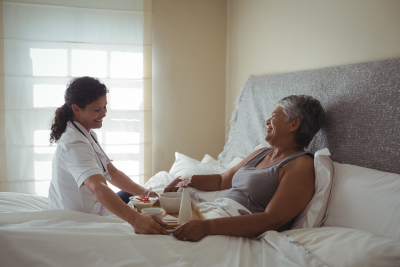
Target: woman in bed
271,186
81,169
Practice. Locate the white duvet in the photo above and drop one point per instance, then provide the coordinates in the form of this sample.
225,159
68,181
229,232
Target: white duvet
335,246
31,235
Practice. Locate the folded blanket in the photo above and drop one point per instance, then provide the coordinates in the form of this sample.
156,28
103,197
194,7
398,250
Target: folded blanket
222,207
169,218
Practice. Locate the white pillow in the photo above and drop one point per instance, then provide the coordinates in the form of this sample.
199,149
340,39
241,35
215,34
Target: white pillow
215,164
186,165
365,199
344,247
159,181
233,163
314,213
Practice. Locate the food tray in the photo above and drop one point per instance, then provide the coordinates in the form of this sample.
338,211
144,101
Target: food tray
196,215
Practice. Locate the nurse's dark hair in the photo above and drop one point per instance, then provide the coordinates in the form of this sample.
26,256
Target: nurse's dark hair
81,91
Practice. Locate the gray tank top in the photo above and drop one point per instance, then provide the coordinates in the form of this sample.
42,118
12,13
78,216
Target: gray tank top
254,187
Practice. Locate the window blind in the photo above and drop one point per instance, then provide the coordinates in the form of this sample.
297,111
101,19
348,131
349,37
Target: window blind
45,44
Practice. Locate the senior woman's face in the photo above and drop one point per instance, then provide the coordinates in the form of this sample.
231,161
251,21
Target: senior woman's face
277,126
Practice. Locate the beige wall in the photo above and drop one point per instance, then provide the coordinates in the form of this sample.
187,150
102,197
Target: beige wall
202,47
189,71
3,158
269,37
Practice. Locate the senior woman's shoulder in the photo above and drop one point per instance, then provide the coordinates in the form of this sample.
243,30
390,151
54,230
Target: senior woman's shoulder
305,159
299,169
303,163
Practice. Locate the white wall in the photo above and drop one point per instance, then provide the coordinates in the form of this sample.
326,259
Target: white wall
189,71
269,37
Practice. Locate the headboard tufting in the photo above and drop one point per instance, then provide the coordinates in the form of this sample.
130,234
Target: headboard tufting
361,102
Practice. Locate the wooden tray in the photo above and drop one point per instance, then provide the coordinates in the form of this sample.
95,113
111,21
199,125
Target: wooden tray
196,215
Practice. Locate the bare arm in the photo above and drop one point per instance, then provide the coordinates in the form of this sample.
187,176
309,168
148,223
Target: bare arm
293,194
123,182
212,182
143,223
209,182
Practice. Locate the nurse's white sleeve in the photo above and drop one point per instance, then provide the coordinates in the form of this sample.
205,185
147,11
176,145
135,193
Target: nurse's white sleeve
80,159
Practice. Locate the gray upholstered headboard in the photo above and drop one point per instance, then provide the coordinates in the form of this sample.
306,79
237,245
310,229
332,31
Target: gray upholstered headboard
362,106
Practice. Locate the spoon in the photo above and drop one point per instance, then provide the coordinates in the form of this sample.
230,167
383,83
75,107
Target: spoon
148,194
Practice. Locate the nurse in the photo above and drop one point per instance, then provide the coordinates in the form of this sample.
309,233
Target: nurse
81,169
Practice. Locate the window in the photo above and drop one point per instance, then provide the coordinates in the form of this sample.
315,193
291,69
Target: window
45,46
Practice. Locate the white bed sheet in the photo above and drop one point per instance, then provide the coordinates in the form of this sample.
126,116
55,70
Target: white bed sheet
30,235
346,247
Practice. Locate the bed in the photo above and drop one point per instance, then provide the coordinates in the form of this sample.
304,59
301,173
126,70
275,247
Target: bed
353,219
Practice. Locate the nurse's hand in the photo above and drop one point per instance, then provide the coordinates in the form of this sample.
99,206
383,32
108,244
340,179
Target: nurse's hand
149,224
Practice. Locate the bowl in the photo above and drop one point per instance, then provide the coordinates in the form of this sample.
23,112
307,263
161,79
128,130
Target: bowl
155,211
171,202
142,205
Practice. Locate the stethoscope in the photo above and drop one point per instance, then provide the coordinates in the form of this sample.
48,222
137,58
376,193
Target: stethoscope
106,174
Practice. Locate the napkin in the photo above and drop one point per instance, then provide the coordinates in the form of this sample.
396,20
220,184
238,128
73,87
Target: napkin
169,218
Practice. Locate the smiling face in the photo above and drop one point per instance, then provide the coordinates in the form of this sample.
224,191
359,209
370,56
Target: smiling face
278,129
91,117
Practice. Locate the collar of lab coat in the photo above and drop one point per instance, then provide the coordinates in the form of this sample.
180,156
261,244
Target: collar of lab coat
87,134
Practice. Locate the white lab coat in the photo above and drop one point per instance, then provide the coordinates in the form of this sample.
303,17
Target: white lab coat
74,161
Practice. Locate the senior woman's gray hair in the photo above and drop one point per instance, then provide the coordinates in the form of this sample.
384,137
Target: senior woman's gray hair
310,113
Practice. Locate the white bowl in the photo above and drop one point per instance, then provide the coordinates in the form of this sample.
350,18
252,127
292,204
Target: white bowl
142,205
171,202
156,211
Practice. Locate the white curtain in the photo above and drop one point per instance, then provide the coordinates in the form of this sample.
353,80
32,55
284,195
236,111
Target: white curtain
48,42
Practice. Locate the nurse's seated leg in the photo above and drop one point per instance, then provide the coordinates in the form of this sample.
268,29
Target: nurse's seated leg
124,196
